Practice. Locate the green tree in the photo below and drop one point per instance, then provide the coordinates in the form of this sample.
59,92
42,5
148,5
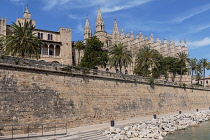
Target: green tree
183,59
119,56
204,63
94,55
146,61
164,67
79,46
22,41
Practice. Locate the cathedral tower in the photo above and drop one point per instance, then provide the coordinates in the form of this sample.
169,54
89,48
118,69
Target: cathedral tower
100,33
115,33
26,17
87,30
99,22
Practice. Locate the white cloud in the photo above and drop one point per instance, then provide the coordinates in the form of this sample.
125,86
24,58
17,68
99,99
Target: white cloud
19,2
50,4
77,17
192,13
200,43
106,5
79,28
198,29
123,5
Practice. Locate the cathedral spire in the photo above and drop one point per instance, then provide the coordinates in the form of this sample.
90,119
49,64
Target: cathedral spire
122,33
87,30
87,24
99,21
115,28
99,16
26,10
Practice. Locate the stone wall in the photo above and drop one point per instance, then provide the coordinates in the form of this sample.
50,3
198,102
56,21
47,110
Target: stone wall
34,94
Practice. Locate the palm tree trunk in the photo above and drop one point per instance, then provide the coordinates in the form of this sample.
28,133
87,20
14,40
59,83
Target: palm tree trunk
191,76
78,57
203,75
120,69
181,75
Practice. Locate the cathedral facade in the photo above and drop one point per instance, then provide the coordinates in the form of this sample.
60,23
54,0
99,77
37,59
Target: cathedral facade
133,43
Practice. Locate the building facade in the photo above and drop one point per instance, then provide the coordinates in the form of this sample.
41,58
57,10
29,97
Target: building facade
133,43
57,44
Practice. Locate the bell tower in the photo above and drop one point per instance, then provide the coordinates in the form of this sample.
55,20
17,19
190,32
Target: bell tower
26,17
99,22
87,30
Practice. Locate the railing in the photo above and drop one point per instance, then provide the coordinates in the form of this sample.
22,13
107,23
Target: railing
29,128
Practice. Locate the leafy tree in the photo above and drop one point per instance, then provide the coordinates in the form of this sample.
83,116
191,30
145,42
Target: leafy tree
94,55
79,46
146,61
183,58
164,67
22,41
204,63
119,56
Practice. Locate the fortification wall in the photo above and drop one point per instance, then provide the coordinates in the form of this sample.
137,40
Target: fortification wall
34,94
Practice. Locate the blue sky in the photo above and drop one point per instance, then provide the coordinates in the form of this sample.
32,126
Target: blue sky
165,19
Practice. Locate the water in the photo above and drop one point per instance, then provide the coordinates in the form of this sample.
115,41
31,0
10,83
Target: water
192,133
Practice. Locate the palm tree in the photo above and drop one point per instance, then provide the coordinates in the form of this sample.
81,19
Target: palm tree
204,64
22,41
146,59
183,58
79,46
193,67
119,56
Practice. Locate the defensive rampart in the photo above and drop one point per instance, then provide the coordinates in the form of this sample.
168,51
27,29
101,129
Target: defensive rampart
40,92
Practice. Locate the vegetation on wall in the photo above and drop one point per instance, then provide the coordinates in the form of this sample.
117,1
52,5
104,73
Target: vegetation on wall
79,46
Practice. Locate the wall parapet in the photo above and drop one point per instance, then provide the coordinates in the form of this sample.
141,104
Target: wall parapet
41,65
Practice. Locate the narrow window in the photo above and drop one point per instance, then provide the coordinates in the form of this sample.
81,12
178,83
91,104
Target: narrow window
41,35
48,36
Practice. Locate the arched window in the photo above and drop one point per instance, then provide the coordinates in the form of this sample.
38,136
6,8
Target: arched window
126,71
50,37
40,35
206,82
107,69
57,50
117,71
51,50
45,50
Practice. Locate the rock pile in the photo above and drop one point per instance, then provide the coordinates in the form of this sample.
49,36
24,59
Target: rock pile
158,128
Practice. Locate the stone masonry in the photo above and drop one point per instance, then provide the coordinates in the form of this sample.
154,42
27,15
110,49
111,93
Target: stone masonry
32,92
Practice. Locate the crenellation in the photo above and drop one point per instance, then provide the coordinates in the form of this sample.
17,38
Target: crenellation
3,23
139,41
151,38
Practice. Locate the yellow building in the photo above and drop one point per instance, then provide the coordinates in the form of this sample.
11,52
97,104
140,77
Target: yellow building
57,45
